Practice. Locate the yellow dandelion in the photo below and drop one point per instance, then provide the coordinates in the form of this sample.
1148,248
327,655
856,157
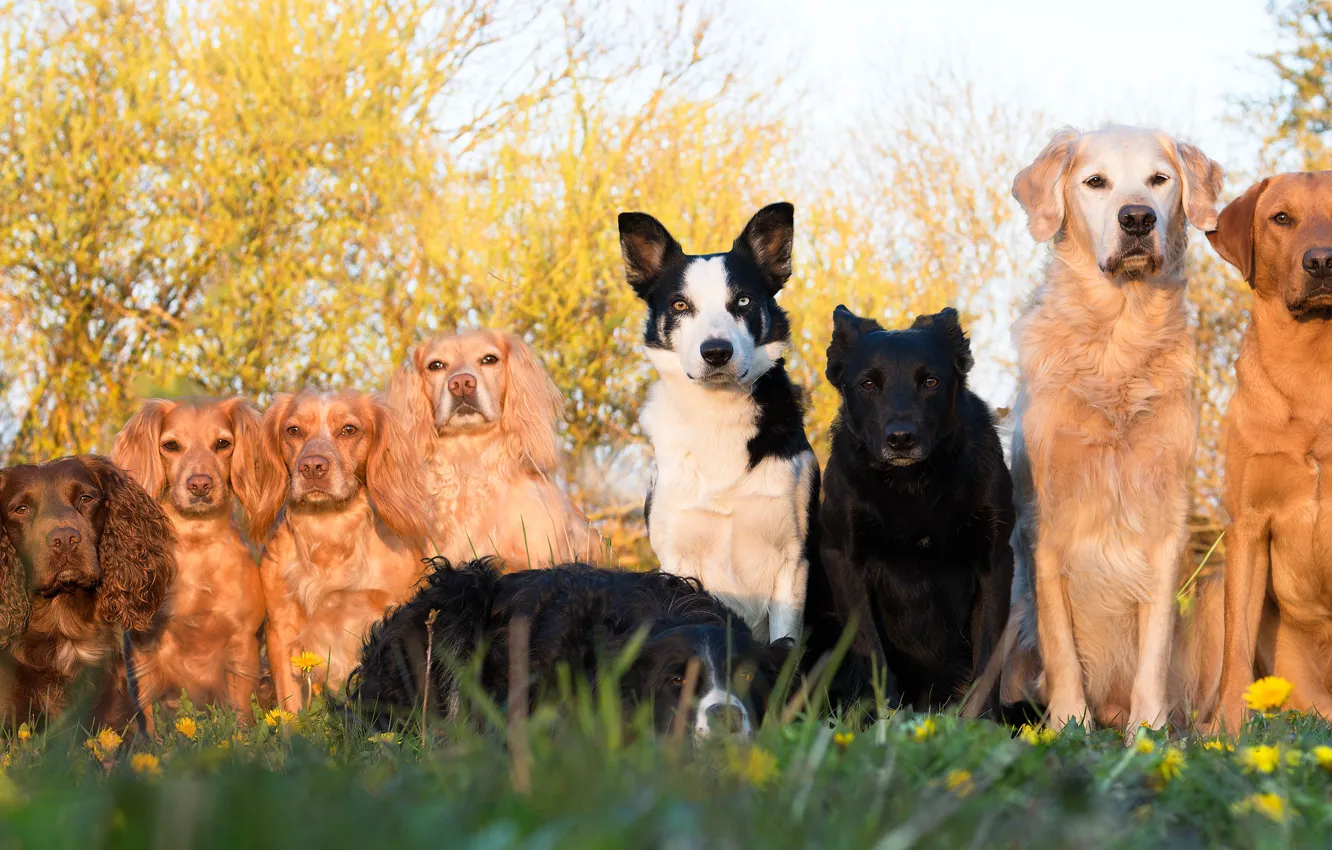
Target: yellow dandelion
1323,755
24,732
1219,745
959,782
1267,694
7,760
387,738
306,662
1262,759
187,727
104,744
1036,735
1293,758
925,729
1172,764
279,717
755,765
1269,805
1145,745
843,739
146,764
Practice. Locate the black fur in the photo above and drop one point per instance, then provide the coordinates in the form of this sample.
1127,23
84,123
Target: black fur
578,616
781,418
915,527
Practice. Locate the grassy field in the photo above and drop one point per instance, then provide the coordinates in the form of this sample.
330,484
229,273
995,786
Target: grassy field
586,780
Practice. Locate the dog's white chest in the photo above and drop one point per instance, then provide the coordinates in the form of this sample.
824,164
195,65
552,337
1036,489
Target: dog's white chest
740,531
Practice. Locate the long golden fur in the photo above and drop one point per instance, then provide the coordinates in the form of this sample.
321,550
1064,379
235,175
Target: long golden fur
1278,574
482,411
192,455
1106,422
344,485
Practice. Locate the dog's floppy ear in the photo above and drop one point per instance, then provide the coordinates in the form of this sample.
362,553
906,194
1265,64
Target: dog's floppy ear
136,550
532,406
1202,179
1233,236
948,326
270,471
136,447
767,240
847,330
395,477
647,248
409,396
247,436
15,602
1039,187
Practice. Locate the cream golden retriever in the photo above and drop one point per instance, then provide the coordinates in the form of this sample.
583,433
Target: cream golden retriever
1106,422
482,412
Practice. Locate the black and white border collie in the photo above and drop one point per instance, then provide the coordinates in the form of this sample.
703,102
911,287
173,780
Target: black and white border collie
578,616
735,481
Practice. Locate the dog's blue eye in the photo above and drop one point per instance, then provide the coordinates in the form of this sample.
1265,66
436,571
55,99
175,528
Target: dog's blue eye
742,301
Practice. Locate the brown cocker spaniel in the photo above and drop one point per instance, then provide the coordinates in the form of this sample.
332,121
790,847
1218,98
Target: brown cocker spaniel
84,553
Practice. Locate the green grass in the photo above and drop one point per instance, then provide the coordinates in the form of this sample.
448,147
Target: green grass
599,783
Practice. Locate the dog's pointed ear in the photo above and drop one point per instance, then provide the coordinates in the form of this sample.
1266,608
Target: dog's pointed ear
647,248
1202,179
1039,187
1233,236
767,240
948,325
847,329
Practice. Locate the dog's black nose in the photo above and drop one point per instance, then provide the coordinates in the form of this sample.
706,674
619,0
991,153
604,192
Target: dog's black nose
1318,262
64,539
725,718
313,466
901,437
199,485
1136,219
716,352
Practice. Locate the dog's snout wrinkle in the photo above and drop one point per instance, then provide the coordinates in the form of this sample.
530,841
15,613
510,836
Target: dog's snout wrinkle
716,352
1137,219
1317,262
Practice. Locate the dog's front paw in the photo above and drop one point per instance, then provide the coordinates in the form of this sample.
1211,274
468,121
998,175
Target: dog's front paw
1063,712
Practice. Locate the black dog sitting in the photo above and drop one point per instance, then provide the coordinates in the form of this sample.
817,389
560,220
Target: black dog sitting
579,616
917,509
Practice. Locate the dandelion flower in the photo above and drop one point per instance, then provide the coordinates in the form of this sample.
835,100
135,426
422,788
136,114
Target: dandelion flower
959,782
1219,745
755,765
306,662
387,738
146,764
1270,806
1172,764
843,739
1036,735
925,729
187,727
1145,745
279,717
1262,759
1293,758
1267,694
1323,755
104,745
24,732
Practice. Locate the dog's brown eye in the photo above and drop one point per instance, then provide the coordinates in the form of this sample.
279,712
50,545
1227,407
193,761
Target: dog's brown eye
171,446
679,305
868,386
930,383
293,431
19,510
349,430
85,499
677,681
489,360
1158,179
436,365
1281,218
222,444
1095,181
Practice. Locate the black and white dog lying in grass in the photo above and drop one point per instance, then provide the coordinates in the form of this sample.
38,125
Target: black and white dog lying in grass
577,616
735,481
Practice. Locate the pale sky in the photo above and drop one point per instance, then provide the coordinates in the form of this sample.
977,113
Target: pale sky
1174,64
